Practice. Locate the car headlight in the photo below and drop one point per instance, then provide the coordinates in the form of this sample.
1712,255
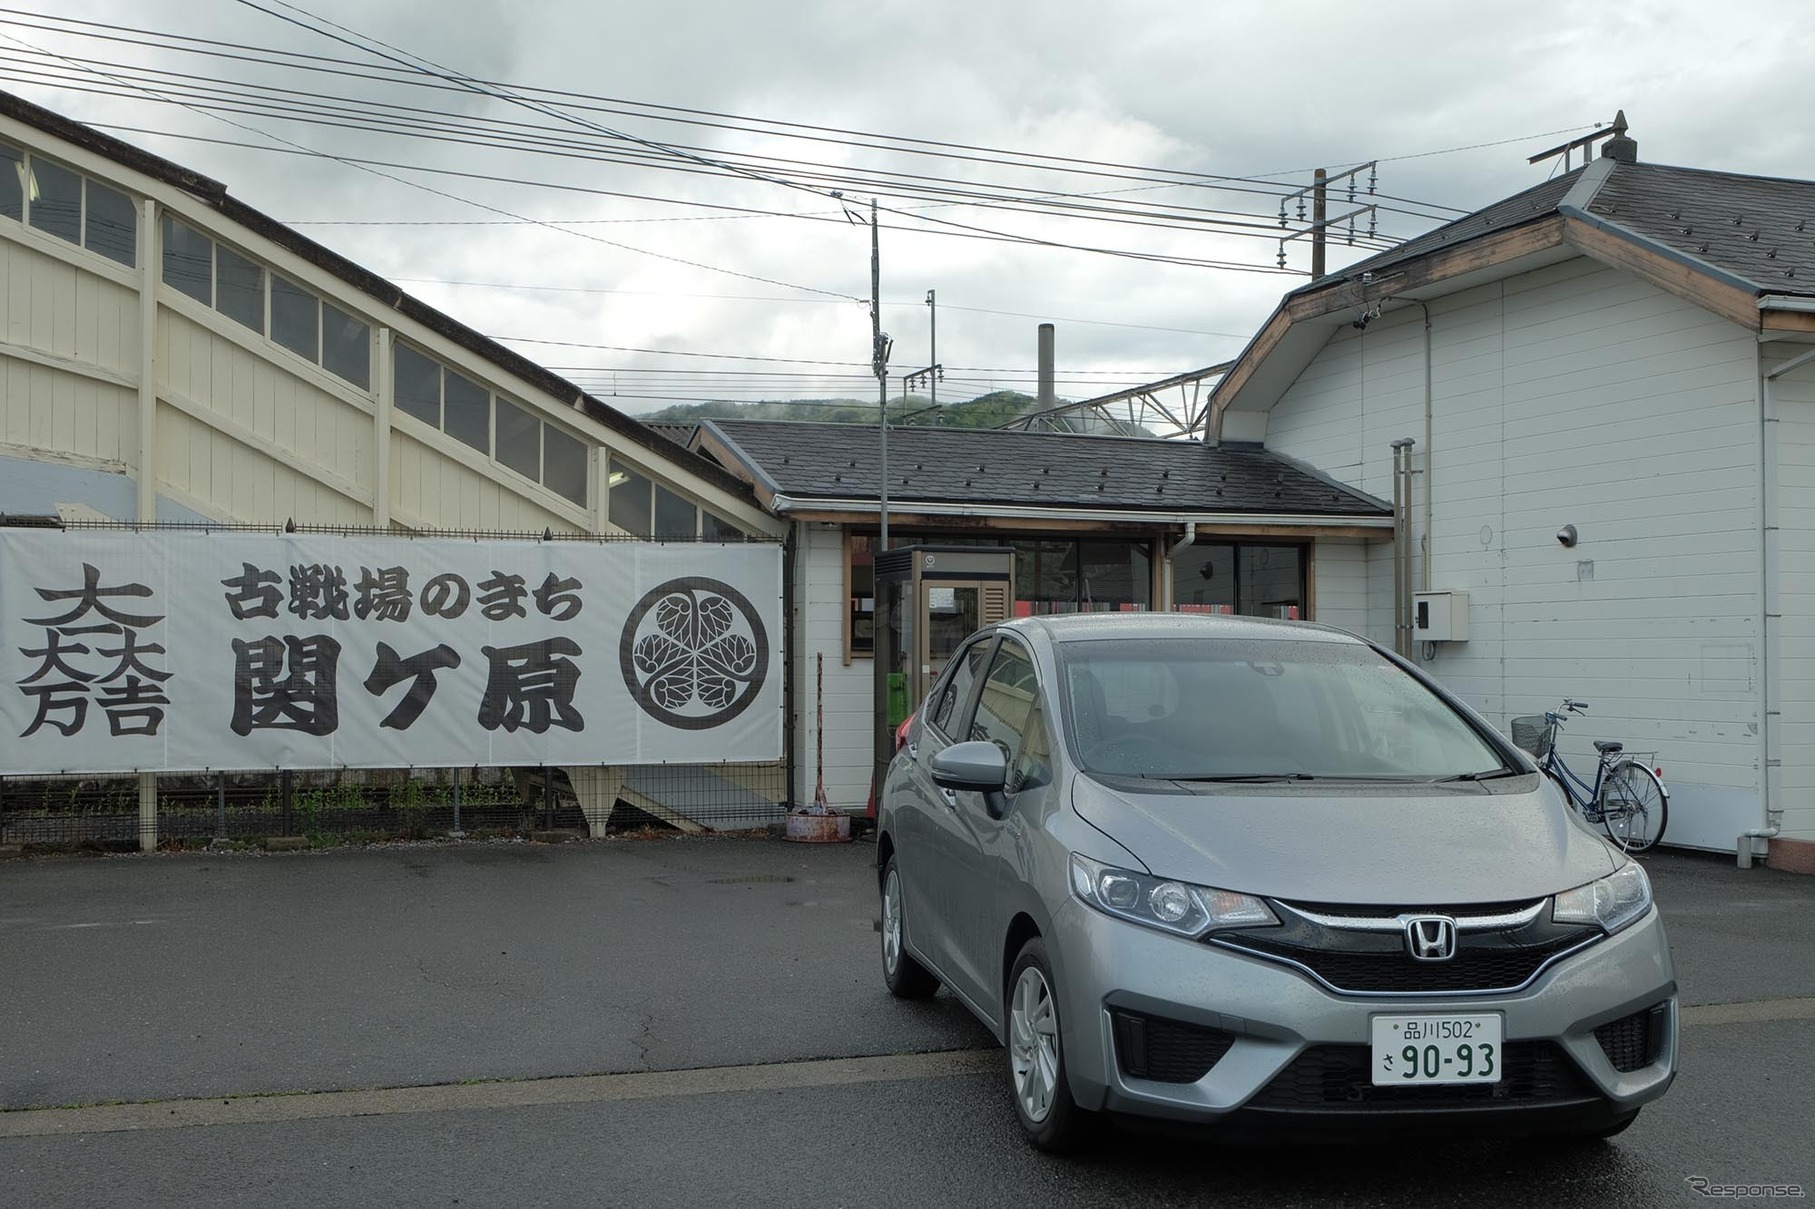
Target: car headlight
1612,902
1171,906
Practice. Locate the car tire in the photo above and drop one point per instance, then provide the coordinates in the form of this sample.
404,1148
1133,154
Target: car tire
1037,1075
905,977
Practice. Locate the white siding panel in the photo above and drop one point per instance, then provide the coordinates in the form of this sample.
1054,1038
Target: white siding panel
1341,570
849,704
435,489
1794,437
1575,395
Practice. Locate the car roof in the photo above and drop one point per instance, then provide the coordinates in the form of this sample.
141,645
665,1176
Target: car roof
1086,627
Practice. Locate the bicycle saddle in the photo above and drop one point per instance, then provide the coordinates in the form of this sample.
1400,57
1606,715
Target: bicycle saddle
1609,746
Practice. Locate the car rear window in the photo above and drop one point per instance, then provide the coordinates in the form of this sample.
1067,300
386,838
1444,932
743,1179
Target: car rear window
1190,708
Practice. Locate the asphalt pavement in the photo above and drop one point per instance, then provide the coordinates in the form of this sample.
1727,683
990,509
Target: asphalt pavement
701,1022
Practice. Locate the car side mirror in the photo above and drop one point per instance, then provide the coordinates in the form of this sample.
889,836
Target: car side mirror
978,766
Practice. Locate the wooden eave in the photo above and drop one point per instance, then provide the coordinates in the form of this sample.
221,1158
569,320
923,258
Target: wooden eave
1158,526
1413,276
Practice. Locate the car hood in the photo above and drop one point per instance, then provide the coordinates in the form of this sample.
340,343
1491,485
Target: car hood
1372,844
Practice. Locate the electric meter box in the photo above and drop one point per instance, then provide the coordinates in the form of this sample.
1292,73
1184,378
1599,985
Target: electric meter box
1440,616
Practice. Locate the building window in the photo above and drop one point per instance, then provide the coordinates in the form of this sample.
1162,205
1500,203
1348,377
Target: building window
1052,575
512,434
56,200
12,183
295,318
1250,579
235,285
346,346
718,529
519,440
66,204
110,224
564,464
188,261
466,411
675,517
630,508
239,288
416,385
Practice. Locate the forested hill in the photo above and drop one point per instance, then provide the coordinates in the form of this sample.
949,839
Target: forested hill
985,411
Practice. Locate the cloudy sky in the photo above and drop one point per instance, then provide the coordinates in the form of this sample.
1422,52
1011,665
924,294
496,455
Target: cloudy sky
639,194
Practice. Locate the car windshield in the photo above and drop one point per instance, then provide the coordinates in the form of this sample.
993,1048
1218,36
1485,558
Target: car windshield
1210,709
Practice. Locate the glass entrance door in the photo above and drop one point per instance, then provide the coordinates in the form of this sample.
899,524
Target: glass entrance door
952,613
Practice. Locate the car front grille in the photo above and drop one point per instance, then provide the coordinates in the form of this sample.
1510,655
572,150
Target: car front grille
1339,1077
1364,950
1166,1051
1384,970
1634,1042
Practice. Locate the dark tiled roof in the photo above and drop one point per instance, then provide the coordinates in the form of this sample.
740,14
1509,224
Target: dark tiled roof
1539,201
1036,469
1759,229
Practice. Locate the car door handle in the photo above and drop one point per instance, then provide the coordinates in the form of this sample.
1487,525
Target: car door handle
950,797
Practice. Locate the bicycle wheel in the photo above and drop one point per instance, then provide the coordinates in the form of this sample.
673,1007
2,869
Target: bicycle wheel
1634,806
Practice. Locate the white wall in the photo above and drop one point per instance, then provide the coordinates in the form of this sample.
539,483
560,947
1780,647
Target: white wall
1794,690
1339,572
1574,395
820,602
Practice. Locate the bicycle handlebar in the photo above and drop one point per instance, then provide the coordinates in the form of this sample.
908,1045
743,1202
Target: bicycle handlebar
1575,707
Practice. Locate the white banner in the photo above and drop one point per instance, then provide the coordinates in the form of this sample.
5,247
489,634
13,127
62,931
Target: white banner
173,651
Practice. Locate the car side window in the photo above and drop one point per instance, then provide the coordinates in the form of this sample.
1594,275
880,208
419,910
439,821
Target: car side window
1035,765
1007,703
951,696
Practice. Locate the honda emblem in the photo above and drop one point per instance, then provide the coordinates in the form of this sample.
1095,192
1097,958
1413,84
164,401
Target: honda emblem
1430,937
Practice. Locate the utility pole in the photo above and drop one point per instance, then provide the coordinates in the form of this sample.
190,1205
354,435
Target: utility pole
1318,217
933,372
932,327
1318,228
879,360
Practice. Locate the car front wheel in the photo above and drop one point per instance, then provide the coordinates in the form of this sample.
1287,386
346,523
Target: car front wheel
1049,1116
906,978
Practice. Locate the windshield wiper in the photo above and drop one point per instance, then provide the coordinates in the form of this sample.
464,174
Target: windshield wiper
1247,778
1491,774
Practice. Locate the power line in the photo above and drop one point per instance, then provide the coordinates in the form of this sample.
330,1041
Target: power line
299,148
1178,178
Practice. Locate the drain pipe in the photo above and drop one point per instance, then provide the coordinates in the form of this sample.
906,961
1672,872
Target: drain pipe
1767,467
1402,540
1178,547
1429,479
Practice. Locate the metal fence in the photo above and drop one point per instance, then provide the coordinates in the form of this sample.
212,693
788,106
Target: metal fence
368,805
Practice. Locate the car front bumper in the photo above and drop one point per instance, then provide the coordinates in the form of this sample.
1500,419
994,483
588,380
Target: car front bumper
1297,1051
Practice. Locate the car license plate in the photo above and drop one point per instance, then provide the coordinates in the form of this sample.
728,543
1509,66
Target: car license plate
1413,1050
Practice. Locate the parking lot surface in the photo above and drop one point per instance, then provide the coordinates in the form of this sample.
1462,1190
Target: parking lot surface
700,1021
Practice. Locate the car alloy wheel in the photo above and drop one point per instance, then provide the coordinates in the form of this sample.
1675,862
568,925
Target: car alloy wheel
906,978
1033,1041
891,922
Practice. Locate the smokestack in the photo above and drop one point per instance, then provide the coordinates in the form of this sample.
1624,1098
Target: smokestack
1046,392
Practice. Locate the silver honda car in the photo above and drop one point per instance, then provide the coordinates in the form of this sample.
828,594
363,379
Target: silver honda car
1258,874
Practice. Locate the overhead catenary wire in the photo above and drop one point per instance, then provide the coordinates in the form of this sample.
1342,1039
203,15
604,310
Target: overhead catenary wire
1020,158
373,116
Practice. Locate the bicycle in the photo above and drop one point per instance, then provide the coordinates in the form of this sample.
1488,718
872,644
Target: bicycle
1627,798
